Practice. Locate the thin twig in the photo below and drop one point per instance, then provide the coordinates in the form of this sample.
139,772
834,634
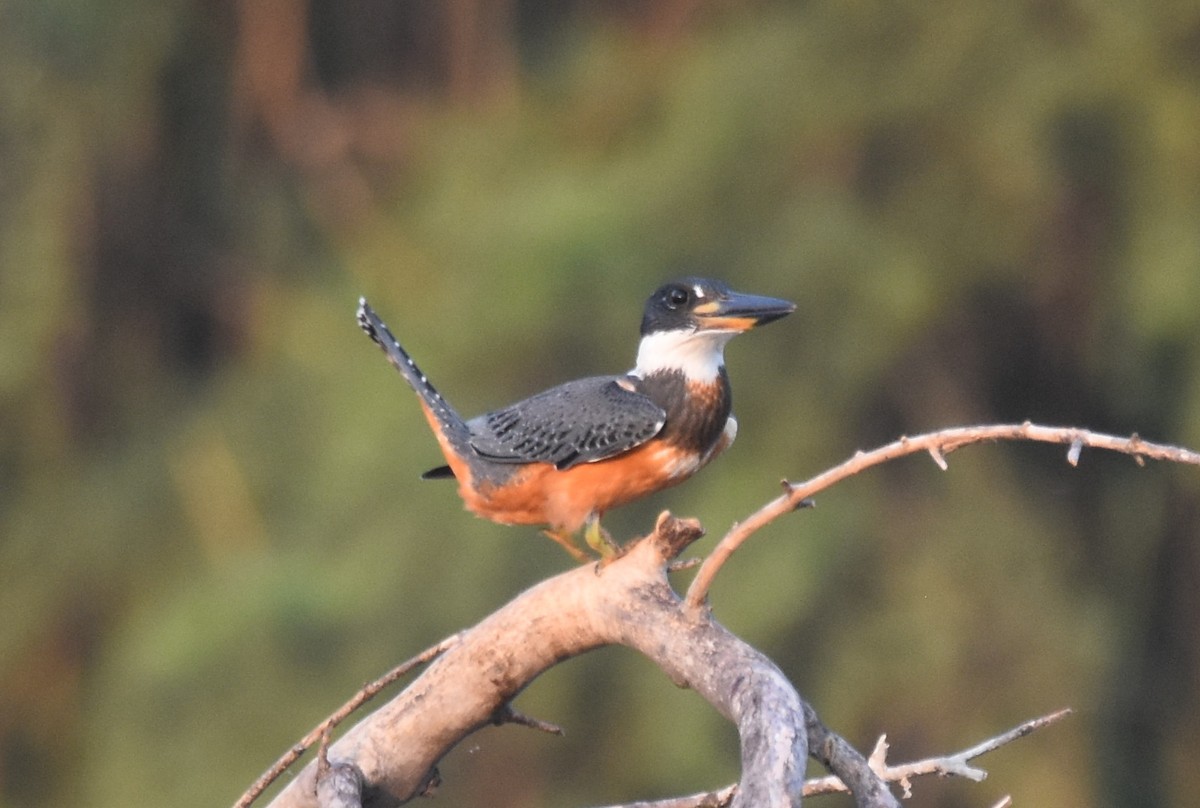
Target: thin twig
510,715
322,730
947,765
938,445
955,764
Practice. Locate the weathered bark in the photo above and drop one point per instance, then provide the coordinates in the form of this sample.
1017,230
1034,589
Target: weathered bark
627,602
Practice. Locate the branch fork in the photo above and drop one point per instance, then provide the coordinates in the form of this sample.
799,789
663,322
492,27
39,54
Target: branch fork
473,680
391,755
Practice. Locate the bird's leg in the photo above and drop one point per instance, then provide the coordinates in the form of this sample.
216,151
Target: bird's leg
599,540
567,542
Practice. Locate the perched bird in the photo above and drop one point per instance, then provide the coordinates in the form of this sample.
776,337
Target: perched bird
565,456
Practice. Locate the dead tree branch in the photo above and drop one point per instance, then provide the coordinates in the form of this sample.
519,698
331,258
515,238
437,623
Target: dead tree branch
938,445
628,602
391,755
946,766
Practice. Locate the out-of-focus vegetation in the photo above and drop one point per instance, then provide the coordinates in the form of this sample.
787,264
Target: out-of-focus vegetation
211,526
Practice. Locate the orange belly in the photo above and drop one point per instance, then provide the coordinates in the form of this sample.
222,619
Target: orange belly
540,494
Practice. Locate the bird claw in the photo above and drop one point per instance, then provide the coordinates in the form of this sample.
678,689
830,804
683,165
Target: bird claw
596,537
602,542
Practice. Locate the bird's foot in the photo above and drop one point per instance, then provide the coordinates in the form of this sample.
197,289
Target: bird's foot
602,542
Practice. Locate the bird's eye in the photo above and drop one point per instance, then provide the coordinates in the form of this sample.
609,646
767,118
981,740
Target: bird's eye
677,297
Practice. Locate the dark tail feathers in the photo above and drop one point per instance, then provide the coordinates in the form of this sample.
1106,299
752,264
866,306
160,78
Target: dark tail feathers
451,423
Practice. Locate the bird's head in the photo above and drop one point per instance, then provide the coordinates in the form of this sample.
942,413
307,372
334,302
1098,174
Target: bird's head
688,321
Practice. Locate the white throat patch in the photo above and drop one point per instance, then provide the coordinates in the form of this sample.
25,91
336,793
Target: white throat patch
699,355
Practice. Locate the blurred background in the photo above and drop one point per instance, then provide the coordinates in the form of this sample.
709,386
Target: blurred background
212,529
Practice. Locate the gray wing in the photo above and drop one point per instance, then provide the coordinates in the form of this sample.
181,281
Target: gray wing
578,422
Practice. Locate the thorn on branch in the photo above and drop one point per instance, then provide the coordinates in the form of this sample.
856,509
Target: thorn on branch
509,715
1135,443
878,758
936,453
1074,452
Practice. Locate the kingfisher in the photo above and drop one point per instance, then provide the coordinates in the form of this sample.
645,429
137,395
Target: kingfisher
565,456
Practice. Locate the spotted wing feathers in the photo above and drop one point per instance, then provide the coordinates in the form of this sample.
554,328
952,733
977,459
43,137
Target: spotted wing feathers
578,422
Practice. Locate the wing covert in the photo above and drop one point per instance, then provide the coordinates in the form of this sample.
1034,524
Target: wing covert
578,422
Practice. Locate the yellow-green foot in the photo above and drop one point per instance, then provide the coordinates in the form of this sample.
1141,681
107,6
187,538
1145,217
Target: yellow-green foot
599,540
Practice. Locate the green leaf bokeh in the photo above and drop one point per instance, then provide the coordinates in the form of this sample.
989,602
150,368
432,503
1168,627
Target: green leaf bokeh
211,526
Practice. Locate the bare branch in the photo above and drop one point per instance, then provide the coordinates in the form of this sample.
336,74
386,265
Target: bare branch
509,715
847,764
628,602
938,445
394,751
949,765
322,730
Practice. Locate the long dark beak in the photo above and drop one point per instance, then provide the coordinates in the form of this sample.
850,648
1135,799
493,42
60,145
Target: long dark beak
740,312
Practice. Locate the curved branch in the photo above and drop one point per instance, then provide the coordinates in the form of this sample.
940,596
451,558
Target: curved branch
628,602
938,445
392,754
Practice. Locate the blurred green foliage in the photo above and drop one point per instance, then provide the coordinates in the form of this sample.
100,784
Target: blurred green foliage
211,526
